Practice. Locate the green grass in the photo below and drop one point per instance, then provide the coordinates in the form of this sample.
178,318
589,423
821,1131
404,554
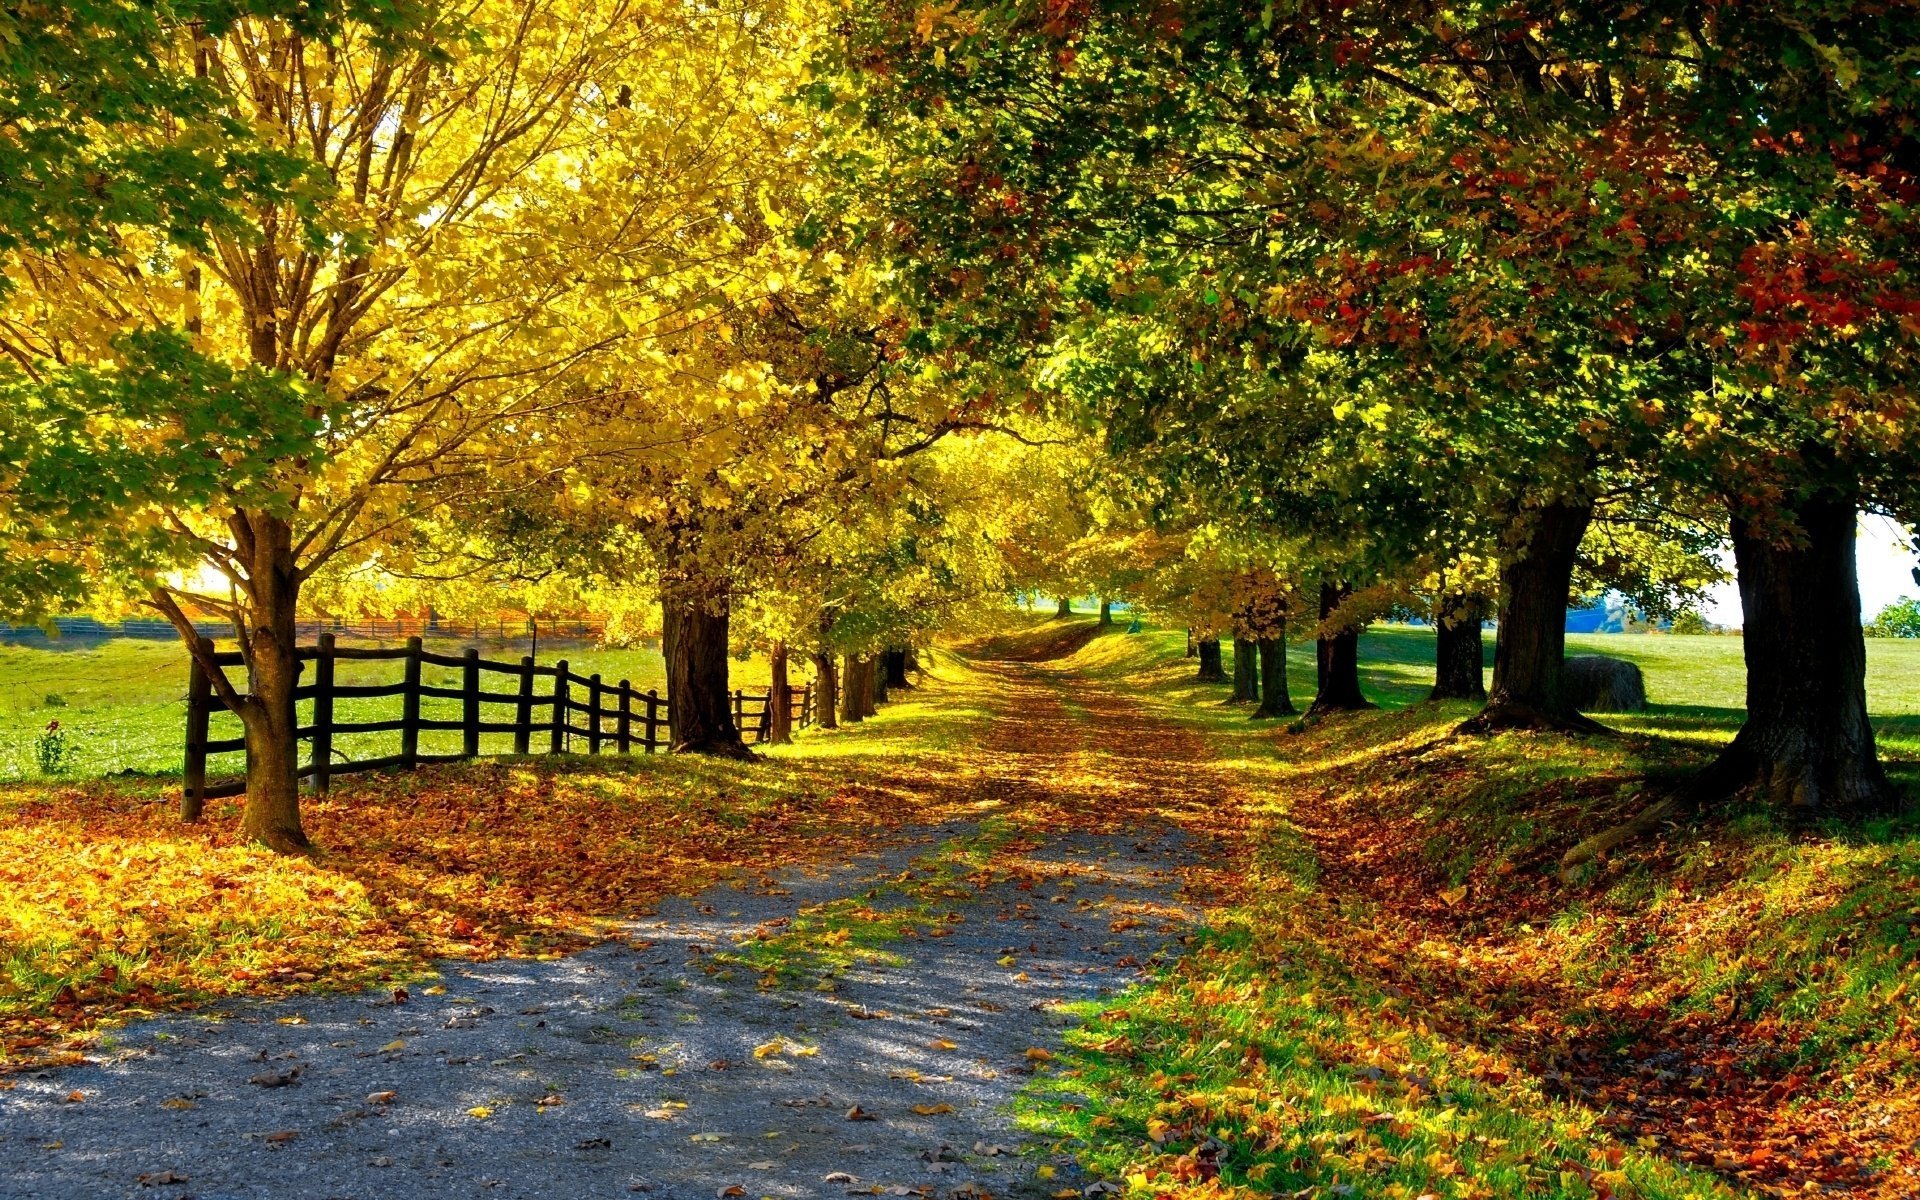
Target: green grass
1803,940
122,701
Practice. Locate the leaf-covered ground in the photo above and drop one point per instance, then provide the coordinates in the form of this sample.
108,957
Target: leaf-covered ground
1392,993
1729,995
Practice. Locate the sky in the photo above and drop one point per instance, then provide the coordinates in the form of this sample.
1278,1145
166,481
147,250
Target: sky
1885,551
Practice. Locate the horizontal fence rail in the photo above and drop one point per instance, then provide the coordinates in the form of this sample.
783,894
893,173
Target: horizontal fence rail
550,708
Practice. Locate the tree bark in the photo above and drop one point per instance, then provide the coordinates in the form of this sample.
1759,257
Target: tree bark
1336,659
1807,744
1211,670
896,661
826,684
854,691
1065,609
1275,700
1458,658
877,678
1530,647
1106,612
695,617
271,814
779,698
1246,670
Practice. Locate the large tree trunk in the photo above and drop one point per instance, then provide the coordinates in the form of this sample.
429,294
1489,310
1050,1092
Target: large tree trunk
1807,743
779,697
855,691
1336,658
1275,700
1106,612
1530,647
896,661
826,690
1211,670
1246,671
271,814
1065,610
877,678
695,617
1458,659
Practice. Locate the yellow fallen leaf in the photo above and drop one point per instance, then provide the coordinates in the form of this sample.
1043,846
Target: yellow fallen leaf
1007,960
942,1044
932,1110
395,1044
1043,1172
769,1049
178,1103
1036,1054
438,989
1021,977
479,1112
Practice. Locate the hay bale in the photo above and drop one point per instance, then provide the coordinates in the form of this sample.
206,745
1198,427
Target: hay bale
1597,683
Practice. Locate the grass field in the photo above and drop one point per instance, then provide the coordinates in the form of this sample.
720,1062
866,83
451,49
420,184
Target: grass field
122,702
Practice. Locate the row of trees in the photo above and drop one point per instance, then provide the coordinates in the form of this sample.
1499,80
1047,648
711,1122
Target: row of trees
311,303
1453,301
1269,318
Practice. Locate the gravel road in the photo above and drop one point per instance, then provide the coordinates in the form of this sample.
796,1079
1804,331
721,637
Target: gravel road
629,1068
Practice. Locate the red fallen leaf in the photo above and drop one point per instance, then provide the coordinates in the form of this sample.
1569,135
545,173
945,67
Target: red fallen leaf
400,996
461,928
76,1097
282,1137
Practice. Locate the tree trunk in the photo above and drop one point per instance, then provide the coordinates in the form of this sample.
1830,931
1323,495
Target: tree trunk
877,677
1210,669
896,661
1106,612
1275,701
1065,610
1336,658
1191,646
779,698
271,814
1458,659
826,690
699,704
1807,744
1246,670
1530,647
909,661
854,691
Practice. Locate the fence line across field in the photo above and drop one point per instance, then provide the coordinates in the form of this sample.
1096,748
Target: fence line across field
617,716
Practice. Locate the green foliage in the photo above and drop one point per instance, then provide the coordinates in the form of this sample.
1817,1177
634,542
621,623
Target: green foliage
1901,619
52,752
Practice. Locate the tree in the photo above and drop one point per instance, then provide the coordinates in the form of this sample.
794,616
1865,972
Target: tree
376,337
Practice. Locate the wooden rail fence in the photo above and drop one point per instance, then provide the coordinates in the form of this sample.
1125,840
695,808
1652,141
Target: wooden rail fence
615,717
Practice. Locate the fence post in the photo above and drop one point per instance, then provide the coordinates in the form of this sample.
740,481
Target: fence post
559,740
653,720
593,713
410,708
193,793
626,717
523,715
739,711
766,718
470,704
323,716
